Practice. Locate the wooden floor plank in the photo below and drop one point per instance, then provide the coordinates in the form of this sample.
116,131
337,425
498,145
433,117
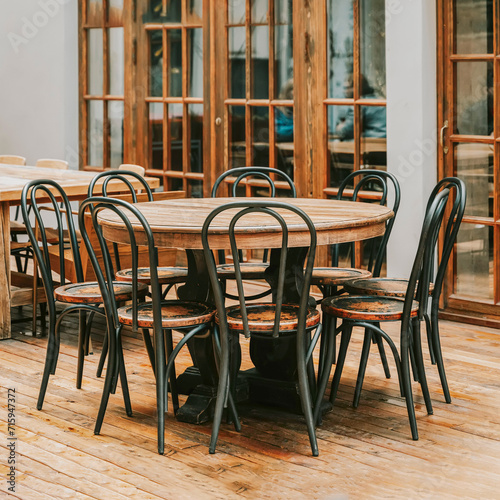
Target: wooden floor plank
364,453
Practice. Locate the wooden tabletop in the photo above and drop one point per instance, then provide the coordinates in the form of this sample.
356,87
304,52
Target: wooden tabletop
74,182
178,223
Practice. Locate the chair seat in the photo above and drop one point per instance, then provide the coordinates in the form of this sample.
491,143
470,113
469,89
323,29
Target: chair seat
366,307
89,292
261,318
337,276
174,314
17,227
388,287
249,271
166,275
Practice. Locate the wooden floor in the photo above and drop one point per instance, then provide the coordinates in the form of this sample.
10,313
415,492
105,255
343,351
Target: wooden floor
364,453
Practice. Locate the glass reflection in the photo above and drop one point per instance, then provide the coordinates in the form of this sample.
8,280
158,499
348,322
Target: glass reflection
115,12
156,64
175,132
474,26
260,135
260,62
195,11
340,46
116,61
372,47
95,133
259,11
237,47
474,98
283,46
94,12
474,252
237,146
174,42
474,165
341,154
95,62
156,134
236,11
196,133
115,118
171,13
195,61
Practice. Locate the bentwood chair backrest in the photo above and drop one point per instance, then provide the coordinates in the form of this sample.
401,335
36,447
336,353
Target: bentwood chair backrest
371,185
242,174
283,213
421,273
99,185
40,194
104,268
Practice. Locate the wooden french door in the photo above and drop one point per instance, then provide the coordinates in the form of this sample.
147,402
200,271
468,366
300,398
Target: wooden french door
469,105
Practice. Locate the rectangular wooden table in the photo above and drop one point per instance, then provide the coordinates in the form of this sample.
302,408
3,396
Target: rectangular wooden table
12,180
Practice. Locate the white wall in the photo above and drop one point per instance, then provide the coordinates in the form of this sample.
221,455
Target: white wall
411,120
39,79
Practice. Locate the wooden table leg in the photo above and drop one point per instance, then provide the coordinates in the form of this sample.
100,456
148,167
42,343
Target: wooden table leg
5,294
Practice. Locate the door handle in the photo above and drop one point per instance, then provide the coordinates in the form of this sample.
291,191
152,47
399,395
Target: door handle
441,137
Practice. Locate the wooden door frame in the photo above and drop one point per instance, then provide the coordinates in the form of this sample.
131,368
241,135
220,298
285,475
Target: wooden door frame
456,308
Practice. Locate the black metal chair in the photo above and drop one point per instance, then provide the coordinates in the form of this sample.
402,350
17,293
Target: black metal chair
371,186
397,287
79,296
159,315
271,179
168,276
264,321
369,311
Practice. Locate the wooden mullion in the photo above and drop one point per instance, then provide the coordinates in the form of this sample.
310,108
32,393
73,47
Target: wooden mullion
105,58
185,132
496,263
83,84
167,160
272,91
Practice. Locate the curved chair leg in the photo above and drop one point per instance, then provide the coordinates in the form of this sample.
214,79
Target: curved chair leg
123,378
419,361
324,374
439,358
406,379
430,343
108,381
48,368
222,390
170,374
305,393
380,344
102,358
362,366
82,328
344,343
160,388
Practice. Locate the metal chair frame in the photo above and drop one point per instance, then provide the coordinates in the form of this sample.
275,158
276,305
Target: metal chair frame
244,174
45,189
410,341
304,343
162,369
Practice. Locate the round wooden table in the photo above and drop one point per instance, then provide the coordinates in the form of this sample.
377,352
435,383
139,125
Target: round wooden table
177,224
